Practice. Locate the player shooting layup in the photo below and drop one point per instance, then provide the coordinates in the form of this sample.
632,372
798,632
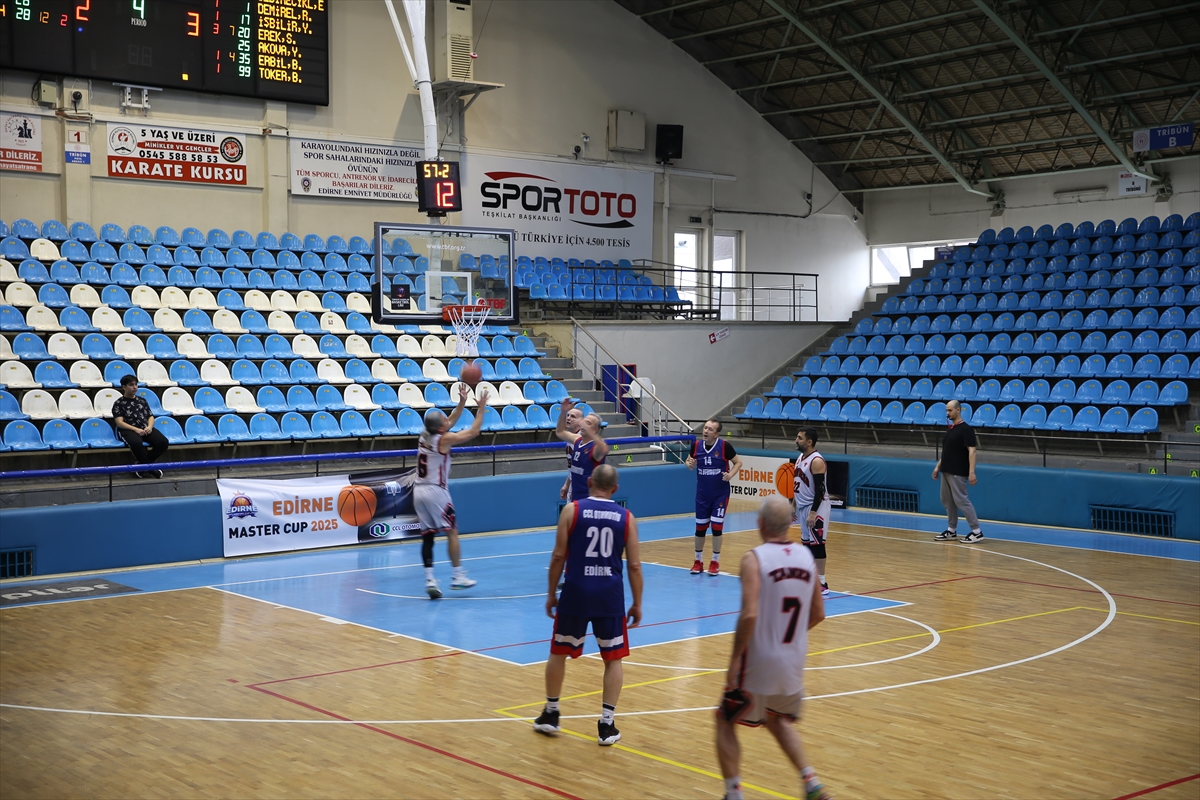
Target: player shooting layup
715,462
574,418
431,491
811,499
781,602
588,447
593,532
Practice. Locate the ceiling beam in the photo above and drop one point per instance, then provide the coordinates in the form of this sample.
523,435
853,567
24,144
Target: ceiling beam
1158,12
912,23
676,7
888,103
739,26
1117,150
850,134
969,84
796,81
1143,54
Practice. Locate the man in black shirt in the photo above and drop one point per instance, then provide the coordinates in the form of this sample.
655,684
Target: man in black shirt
957,468
135,424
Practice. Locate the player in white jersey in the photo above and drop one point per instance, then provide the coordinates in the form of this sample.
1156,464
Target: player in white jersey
811,499
781,602
431,488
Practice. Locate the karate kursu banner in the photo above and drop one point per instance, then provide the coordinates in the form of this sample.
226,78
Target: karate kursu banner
189,155
266,516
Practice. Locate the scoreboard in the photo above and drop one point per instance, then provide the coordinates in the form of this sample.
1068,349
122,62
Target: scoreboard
272,49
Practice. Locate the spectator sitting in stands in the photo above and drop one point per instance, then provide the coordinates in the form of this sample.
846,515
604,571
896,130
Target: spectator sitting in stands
135,424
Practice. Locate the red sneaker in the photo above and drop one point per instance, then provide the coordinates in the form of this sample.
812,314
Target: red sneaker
714,568
697,567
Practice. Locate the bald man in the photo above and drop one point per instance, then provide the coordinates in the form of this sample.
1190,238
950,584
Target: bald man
781,602
957,469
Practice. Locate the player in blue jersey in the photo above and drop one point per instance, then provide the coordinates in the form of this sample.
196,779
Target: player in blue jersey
588,447
593,532
715,462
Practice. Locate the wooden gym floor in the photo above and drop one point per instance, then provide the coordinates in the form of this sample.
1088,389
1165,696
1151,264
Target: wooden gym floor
1012,670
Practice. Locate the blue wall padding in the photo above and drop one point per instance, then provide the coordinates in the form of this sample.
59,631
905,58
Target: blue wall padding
1031,495
131,533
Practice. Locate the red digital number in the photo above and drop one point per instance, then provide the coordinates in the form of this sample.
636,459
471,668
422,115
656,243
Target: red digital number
445,194
86,5
62,22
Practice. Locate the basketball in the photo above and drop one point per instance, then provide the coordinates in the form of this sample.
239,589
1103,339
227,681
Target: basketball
471,374
356,505
785,479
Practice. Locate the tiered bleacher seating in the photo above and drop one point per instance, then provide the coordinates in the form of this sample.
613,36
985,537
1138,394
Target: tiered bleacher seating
235,338
1094,328
592,283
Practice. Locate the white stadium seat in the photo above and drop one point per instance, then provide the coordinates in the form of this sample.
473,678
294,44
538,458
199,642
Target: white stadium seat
169,321
457,385
192,346
356,301
145,297
21,295
412,396
8,273
283,301
44,250
281,322
41,318
6,351
358,346
178,402
103,402
358,398
153,373
226,321
511,395
85,296
305,346
435,370
39,404
217,373
174,297
16,375
241,400
256,299
407,345
385,371
64,347
74,404
130,347
333,323
433,346
203,299
307,301
108,320
88,375
330,371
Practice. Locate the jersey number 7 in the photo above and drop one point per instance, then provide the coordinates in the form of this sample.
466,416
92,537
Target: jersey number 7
791,605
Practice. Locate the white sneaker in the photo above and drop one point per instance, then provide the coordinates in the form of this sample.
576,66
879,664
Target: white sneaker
431,588
462,582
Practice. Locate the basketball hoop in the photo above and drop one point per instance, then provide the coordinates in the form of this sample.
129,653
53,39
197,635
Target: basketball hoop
468,322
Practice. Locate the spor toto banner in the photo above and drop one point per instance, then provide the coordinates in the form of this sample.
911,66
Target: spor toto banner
561,209
761,477
190,155
264,516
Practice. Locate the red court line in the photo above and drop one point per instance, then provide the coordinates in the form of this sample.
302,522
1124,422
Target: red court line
1160,786
354,669
1090,591
422,745
915,585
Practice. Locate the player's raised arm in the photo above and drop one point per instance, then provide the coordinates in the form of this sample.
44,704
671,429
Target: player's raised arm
560,428
633,565
558,559
463,394
600,448
461,437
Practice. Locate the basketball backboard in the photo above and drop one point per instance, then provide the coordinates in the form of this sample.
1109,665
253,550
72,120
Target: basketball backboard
419,269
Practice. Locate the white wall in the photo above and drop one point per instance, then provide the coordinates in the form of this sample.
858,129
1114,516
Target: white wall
564,66
949,213
695,378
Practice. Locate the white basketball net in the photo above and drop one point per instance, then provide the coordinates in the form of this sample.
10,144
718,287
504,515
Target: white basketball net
468,322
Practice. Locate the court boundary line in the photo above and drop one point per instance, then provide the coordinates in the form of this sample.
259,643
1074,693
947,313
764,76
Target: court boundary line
1160,787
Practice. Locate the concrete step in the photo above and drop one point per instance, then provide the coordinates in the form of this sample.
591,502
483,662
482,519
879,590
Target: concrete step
553,365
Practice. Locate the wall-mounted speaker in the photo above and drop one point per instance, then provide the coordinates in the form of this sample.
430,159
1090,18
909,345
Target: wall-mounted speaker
668,143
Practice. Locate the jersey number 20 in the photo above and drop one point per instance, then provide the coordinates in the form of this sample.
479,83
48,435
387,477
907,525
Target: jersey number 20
602,537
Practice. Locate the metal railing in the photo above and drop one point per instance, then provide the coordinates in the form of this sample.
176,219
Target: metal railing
656,417
742,295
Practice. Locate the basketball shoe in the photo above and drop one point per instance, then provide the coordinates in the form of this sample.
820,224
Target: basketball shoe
714,568
972,537
824,589
431,589
608,734
818,792
461,581
547,722
946,536
697,567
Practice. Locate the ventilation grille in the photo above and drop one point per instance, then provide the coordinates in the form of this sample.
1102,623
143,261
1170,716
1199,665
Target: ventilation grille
462,66
1133,520
886,499
16,563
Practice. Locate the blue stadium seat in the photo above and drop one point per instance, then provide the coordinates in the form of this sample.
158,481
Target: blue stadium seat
263,427
138,321
185,374
353,423
194,237
1115,420
155,404
1174,393
754,409
1059,418
22,435
295,427
325,425
303,372
232,428
160,346
1144,420
98,433
274,371
209,401
300,398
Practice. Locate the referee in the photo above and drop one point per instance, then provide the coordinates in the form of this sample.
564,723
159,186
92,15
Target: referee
957,468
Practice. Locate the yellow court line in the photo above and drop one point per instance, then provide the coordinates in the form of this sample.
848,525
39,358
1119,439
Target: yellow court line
625,686
668,761
1144,616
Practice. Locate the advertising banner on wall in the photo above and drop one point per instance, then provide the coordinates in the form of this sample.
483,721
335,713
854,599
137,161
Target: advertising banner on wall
265,516
354,170
761,477
561,209
190,155
21,142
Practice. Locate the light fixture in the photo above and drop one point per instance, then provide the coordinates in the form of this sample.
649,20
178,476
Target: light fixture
1092,190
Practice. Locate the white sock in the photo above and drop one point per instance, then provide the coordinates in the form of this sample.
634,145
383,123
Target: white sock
428,574
822,580
459,572
809,776
699,555
733,788
607,713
